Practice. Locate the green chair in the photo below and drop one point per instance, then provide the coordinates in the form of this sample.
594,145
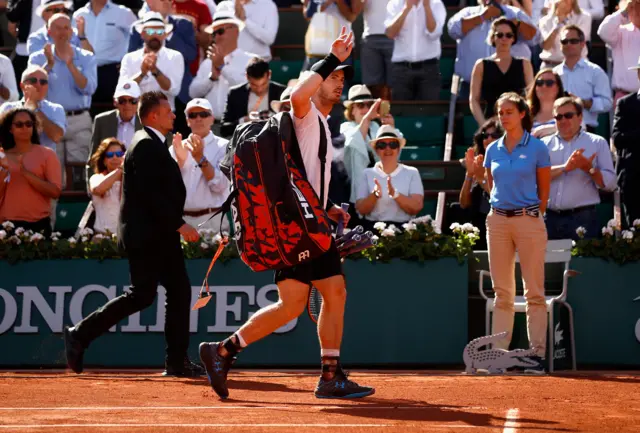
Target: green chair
429,207
470,127
603,125
459,152
68,214
422,153
284,70
446,68
422,130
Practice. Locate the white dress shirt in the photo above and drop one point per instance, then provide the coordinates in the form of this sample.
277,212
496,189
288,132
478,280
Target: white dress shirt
201,193
233,73
8,79
414,43
549,23
126,130
595,8
36,23
374,14
261,27
171,64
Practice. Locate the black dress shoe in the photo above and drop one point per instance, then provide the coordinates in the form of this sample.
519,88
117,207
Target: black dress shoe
74,351
186,369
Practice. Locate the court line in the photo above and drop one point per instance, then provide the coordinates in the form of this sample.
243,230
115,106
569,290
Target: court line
220,407
154,425
511,424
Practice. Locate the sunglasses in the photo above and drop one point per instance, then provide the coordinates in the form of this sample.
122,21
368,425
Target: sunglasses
495,135
118,153
220,31
548,83
501,35
567,116
391,144
363,104
20,125
132,101
152,32
572,41
33,80
202,114
56,10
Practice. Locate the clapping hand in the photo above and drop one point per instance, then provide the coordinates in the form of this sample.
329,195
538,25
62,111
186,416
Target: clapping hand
390,188
575,160
48,53
377,189
195,145
478,168
178,147
342,46
469,158
80,23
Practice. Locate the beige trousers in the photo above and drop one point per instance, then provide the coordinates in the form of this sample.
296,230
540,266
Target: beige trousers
528,236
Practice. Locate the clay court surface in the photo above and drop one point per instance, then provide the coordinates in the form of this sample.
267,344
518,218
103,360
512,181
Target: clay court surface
130,401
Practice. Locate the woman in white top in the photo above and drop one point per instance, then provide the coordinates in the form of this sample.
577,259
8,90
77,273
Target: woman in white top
562,13
106,185
547,87
389,191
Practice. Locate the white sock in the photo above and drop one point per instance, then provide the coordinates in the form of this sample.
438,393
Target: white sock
330,352
243,343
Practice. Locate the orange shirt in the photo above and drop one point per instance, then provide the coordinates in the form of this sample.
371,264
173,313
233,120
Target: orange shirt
22,202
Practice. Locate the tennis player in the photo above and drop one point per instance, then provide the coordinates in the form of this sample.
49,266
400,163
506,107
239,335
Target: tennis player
313,97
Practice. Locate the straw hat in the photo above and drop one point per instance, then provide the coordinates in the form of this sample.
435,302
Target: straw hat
225,14
152,19
386,132
358,93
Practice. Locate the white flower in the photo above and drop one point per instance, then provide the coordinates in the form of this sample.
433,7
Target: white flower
607,231
455,227
581,231
393,227
36,237
473,236
8,225
217,239
55,238
573,243
114,236
98,237
56,234
409,227
613,224
20,231
374,238
627,235
636,223
422,220
380,226
435,244
3,234
389,233
72,241
84,239
204,246
86,232
15,239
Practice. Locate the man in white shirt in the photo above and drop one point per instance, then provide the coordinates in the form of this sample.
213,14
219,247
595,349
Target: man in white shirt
416,27
226,64
8,86
261,21
199,157
154,66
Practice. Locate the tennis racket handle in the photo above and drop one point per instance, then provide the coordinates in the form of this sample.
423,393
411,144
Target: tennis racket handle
368,243
345,207
353,241
356,231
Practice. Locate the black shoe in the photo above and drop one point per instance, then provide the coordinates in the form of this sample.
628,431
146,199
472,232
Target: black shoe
541,368
217,367
341,387
187,369
74,351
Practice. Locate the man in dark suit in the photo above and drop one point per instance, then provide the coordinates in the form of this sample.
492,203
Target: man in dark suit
255,97
626,139
149,230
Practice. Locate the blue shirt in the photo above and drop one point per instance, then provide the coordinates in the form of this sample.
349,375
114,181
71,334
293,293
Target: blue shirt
182,39
62,87
587,81
53,112
38,39
514,174
473,46
107,32
576,188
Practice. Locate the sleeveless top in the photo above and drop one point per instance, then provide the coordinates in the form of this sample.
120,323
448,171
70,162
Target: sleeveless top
495,83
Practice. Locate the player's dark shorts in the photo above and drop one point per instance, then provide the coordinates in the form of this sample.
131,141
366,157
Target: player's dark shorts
325,266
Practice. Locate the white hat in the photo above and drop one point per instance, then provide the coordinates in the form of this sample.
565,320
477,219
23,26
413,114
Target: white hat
225,14
358,93
386,132
45,4
636,66
152,19
200,103
127,88
284,97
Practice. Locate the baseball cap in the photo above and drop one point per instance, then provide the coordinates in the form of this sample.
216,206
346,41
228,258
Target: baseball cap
200,103
127,88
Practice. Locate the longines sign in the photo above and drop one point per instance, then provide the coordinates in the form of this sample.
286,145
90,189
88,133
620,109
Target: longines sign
65,305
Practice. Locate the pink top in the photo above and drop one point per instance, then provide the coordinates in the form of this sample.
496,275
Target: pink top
624,39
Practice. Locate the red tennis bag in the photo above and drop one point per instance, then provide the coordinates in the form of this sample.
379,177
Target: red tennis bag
278,220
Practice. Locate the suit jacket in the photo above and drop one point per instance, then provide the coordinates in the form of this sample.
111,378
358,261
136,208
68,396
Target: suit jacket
626,138
153,195
237,103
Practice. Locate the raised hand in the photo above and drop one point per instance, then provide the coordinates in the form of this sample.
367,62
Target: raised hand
80,24
48,53
374,111
469,158
178,147
377,189
30,96
342,46
195,146
390,188
574,160
478,164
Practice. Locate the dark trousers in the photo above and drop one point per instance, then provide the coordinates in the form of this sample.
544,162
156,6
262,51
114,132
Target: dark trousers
20,63
107,81
41,226
162,264
564,225
630,203
419,81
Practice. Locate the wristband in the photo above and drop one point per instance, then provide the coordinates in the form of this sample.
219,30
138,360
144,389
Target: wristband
203,161
468,178
326,66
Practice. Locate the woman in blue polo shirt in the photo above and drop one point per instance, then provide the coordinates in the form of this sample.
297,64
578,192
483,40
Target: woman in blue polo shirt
518,170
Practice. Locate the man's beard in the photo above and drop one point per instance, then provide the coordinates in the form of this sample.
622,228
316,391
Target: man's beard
154,44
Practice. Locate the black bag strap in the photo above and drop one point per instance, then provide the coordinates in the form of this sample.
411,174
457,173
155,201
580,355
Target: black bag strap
322,155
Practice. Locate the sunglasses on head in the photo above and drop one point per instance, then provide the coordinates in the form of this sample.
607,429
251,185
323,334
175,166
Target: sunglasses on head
495,135
501,35
220,31
26,124
132,101
34,80
203,114
568,115
572,41
392,144
152,32
118,153
548,83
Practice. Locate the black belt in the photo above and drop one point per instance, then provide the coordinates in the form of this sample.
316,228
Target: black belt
75,112
563,212
415,65
201,212
533,211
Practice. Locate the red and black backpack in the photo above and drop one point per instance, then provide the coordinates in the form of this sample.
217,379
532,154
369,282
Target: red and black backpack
278,219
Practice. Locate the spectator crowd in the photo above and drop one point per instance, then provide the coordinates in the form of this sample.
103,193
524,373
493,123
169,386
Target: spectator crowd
211,60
